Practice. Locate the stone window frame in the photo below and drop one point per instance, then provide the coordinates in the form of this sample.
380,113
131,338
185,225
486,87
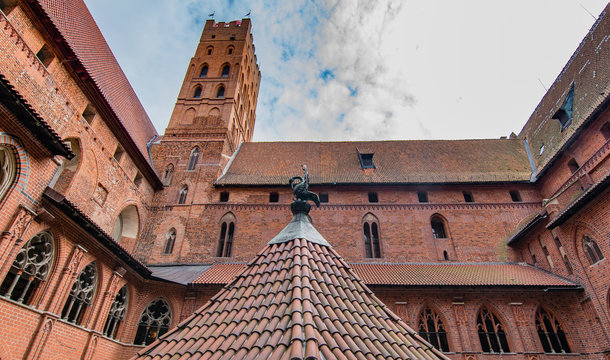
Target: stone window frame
154,322
81,295
117,311
492,336
430,321
553,339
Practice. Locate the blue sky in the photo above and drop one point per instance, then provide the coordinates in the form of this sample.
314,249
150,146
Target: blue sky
363,70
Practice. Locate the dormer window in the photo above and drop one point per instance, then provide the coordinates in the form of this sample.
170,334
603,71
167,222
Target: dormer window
366,160
564,114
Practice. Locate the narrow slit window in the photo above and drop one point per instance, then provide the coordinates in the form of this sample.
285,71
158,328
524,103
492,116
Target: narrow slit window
170,241
182,194
373,197
468,196
422,196
221,92
515,196
372,241
197,92
323,197
274,197
193,159
225,241
224,196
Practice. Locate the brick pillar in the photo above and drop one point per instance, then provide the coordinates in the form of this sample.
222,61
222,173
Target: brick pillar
523,329
66,280
462,327
11,240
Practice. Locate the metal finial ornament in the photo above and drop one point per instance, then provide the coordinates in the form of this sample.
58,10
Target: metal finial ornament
300,189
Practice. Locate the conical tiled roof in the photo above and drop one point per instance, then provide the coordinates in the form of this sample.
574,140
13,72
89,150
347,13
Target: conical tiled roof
297,299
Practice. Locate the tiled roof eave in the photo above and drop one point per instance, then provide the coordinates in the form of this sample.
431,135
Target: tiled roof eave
227,183
41,130
580,202
88,82
82,220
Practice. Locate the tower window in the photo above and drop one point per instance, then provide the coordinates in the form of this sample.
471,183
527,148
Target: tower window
431,328
193,159
323,197
573,165
197,92
221,92
445,255
564,114
170,241
422,196
491,333
45,55
552,336
182,194
515,196
225,71
209,50
224,196
373,198
204,71
274,197
592,251
468,196
438,228
370,231
225,242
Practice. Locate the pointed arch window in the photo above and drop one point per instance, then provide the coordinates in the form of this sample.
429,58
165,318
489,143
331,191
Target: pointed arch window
116,314
221,92
225,71
182,194
552,336
438,228
8,169
170,241
204,71
168,174
491,332
592,251
225,242
370,229
30,268
193,159
154,322
197,92
431,328
81,295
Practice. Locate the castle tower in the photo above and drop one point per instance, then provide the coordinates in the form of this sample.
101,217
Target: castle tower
218,97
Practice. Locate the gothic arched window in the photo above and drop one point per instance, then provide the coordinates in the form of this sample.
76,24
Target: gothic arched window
491,332
31,267
438,228
81,294
431,328
221,92
169,243
225,242
197,92
8,169
225,71
182,193
193,159
551,334
592,251
154,322
370,229
204,71
168,174
116,314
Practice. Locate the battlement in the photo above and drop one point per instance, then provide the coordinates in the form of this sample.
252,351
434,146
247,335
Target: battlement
236,29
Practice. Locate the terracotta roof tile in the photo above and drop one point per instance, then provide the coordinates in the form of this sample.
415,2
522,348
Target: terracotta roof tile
314,314
417,161
77,26
414,274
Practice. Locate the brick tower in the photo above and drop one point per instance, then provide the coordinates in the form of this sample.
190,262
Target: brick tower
214,113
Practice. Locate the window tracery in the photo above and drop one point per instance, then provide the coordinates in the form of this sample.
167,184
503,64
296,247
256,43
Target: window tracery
154,322
491,332
431,328
552,336
592,251
81,294
31,267
193,159
116,313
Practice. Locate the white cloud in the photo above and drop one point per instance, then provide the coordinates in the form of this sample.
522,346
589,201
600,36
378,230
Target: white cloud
392,69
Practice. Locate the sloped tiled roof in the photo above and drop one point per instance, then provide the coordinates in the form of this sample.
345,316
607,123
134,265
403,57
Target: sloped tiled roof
79,29
296,300
425,274
396,162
